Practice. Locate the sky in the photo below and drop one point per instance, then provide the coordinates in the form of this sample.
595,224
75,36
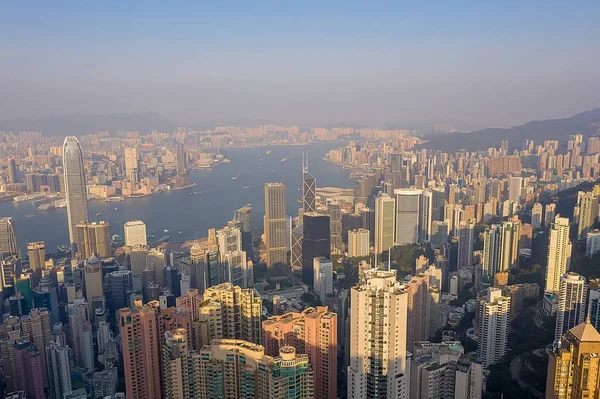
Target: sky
400,63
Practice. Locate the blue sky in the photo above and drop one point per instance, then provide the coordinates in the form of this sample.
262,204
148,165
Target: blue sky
481,63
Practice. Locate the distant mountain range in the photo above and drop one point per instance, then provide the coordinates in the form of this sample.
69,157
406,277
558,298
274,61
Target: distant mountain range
586,123
80,124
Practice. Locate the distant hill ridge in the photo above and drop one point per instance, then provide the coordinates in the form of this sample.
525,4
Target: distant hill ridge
586,123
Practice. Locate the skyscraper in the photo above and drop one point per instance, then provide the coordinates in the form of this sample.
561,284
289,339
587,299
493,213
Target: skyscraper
309,188
493,321
315,243
385,217
141,353
181,161
585,213
549,214
92,272
501,248
132,165
536,216
175,370
275,224
81,334
93,239
358,243
379,362
335,225
514,188
408,215
573,365
559,253
465,244
75,188
312,332
12,171
8,240
572,296
135,233
36,251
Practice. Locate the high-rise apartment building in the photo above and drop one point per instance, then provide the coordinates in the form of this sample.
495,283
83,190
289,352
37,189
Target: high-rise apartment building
559,253
493,321
135,233
75,188
418,309
323,276
141,354
239,369
315,243
94,279
385,217
81,334
572,300
501,247
549,214
132,165
585,213
175,369
594,307
536,216
36,251
465,244
408,216
358,242
275,224
379,360
515,184
59,369
592,243
312,332
573,365
94,239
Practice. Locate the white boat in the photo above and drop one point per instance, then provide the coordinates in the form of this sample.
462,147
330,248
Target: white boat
116,209
166,230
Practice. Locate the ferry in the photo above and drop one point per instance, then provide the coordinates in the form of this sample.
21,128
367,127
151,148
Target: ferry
164,239
268,152
63,249
111,199
181,232
166,230
27,197
99,213
234,178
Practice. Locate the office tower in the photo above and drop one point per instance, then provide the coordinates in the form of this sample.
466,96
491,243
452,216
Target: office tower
81,334
559,253
549,214
514,188
156,260
135,233
585,213
426,216
439,234
493,321
94,239
235,310
12,171
408,204
239,369
314,332
132,165
594,306
243,217
379,361
75,188
36,251
92,272
440,370
121,285
573,365
8,240
181,161
358,243
465,244
138,258
323,276
274,224
141,355
536,216
309,188
229,239
59,369
296,251
335,225
236,270
175,374
418,309
315,243
592,243
572,296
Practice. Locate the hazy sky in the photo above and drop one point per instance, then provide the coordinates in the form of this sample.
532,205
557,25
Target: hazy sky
483,62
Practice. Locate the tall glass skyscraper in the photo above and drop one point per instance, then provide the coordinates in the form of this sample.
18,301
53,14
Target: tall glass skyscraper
77,210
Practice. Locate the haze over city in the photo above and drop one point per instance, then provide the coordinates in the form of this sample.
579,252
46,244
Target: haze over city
474,64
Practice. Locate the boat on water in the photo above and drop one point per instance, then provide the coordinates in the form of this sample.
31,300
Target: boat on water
164,238
63,249
234,178
151,236
166,230
99,213
181,232
116,209
268,152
